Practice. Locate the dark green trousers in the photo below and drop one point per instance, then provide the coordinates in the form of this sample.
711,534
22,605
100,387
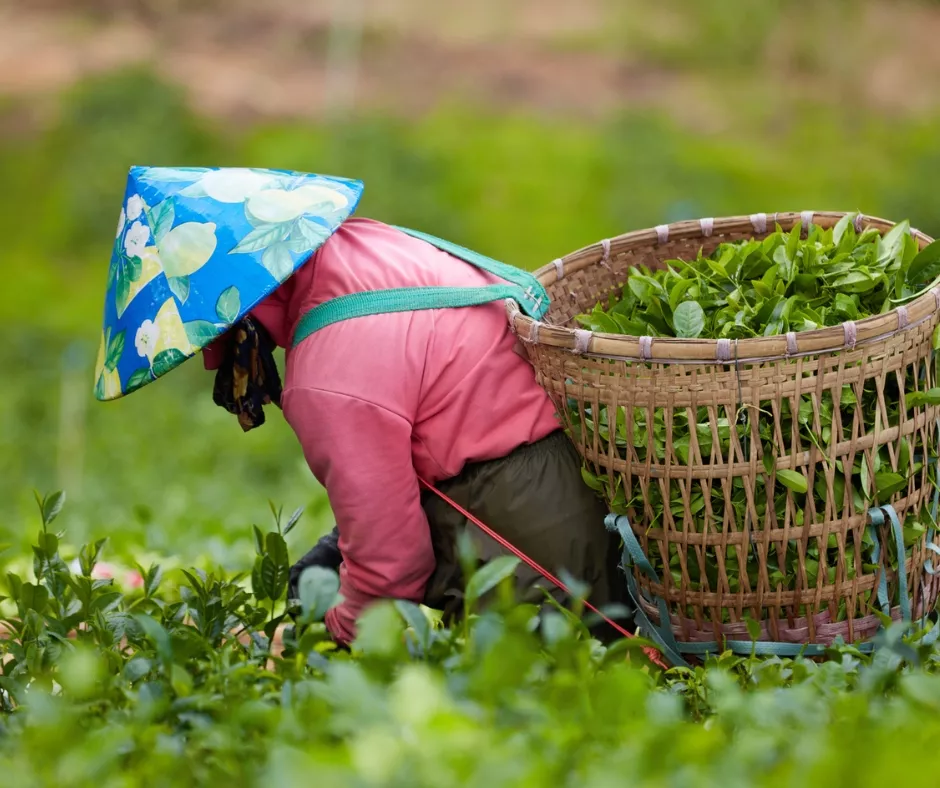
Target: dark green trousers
535,498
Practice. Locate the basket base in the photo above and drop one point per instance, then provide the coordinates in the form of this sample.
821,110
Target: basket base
804,637
737,638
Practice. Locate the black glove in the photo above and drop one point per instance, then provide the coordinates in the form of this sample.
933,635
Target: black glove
324,553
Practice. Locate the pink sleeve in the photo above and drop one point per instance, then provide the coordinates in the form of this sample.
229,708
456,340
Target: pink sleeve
214,352
361,453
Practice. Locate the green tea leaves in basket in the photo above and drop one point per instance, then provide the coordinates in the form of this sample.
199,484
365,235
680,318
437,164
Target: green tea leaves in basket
783,283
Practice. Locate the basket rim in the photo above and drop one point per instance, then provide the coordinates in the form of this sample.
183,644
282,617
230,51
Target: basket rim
721,351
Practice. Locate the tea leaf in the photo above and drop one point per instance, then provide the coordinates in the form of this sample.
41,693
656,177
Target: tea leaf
678,290
591,480
859,281
890,245
793,480
275,566
887,484
929,397
904,456
793,243
417,621
689,319
600,322
841,226
925,267
294,519
51,506
490,575
753,628
33,597
137,668
277,548
155,632
259,586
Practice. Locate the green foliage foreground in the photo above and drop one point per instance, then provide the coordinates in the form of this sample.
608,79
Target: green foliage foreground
176,684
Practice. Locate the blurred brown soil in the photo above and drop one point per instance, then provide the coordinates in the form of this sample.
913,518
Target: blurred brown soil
243,60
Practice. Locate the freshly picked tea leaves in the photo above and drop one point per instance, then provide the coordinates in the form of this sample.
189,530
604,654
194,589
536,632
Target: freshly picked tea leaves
779,284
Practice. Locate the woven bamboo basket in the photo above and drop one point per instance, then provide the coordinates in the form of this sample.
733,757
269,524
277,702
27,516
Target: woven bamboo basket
753,383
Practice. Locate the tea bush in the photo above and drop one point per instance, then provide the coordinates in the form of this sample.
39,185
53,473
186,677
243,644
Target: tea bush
184,681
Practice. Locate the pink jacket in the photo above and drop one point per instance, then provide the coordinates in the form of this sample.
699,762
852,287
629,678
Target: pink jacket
378,400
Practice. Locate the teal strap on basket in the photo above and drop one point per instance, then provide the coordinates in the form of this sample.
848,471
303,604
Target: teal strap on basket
405,299
663,636
928,564
509,273
877,517
520,286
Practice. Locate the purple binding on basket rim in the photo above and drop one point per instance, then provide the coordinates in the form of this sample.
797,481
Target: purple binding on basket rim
707,225
662,233
850,330
723,350
605,260
806,220
534,332
582,338
559,267
514,312
646,348
903,318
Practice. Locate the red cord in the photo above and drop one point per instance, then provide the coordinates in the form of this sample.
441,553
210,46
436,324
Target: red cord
652,653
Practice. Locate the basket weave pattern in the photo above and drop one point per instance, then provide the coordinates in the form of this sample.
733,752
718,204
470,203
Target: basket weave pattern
743,388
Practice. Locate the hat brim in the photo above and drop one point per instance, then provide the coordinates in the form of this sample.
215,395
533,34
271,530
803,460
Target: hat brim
196,250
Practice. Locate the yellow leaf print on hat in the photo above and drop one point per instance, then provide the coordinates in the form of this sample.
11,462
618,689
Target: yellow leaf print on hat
108,385
150,268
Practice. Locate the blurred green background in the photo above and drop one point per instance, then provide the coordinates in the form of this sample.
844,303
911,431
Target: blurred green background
524,129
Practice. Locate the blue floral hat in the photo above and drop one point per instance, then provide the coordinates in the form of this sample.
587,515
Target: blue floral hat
196,250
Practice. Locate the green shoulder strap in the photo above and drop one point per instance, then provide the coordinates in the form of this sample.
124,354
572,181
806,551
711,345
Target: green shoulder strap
519,285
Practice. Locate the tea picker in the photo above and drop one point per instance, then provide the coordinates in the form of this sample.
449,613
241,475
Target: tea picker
412,402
